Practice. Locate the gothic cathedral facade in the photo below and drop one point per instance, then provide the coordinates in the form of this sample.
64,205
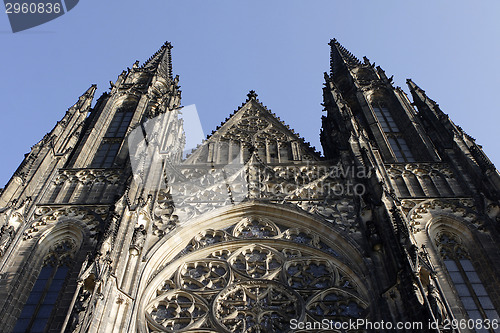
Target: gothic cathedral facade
108,225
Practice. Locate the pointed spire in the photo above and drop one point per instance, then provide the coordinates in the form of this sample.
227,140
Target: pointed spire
161,61
429,110
339,56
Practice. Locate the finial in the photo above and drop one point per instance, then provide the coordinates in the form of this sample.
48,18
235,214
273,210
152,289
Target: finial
252,95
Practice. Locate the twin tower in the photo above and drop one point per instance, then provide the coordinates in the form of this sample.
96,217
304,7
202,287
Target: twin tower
108,225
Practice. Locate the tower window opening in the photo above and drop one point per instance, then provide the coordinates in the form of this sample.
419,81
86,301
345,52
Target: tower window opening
398,144
119,124
385,119
400,149
41,301
105,155
466,281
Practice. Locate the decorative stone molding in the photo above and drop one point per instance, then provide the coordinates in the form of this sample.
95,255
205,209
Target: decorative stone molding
260,228
316,189
87,176
90,217
463,209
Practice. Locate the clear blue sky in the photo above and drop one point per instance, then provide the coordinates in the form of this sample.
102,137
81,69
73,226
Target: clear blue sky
222,49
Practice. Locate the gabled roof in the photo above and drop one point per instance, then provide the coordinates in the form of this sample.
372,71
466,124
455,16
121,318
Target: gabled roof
252,124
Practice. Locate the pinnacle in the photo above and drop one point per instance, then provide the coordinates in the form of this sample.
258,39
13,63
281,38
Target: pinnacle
85,100
414,89
412,85
419,94
90,91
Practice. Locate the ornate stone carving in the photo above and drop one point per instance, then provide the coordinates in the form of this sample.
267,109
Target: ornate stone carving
450,246
256,262
253,288
138,239
310,274
462,209
336,304
177,310
255,228
204,275
87,176
90,218
257,306
6,235
79,310
206,238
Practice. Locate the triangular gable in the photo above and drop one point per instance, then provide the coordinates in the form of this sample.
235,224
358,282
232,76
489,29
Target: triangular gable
252,128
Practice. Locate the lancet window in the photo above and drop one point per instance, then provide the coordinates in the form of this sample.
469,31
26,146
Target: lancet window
119,124
467,283
117,129
396,141
41,301
385,119
400,149
105,155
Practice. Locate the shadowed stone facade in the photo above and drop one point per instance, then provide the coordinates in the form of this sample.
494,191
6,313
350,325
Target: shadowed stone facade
108,226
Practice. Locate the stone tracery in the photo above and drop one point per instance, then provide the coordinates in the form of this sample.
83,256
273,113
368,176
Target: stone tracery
284,274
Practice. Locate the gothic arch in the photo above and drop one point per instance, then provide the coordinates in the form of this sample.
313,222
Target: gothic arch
51,227
462,267
452,224
210,261
289,216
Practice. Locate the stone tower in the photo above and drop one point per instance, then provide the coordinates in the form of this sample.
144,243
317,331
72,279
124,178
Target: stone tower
109,225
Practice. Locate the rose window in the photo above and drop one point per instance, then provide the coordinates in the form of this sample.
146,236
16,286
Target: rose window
312,273
336,304
227,284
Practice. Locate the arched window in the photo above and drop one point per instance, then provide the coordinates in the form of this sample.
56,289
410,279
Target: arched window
42,299
117,129
466,281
